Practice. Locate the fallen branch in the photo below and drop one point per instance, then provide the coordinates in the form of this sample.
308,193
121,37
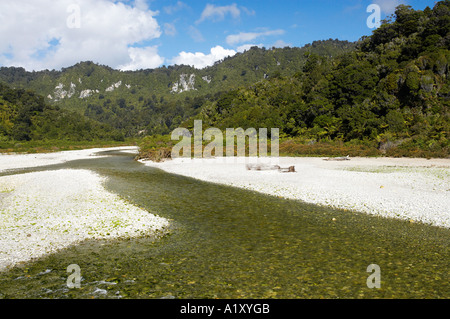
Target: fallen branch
344,158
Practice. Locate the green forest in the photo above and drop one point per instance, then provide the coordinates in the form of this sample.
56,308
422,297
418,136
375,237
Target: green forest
386,94
25,119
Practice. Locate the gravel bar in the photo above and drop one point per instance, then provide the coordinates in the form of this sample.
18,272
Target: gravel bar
9,161
43,212
413,189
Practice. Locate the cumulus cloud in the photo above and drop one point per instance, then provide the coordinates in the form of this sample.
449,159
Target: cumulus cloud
142,58
388,6
200,60
39,34
242,37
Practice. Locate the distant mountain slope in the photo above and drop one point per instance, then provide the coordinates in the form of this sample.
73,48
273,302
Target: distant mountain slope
243,68
106,94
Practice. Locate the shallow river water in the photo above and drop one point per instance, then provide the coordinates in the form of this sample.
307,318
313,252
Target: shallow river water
231,243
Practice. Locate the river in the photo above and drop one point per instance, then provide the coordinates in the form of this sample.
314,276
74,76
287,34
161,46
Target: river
233,243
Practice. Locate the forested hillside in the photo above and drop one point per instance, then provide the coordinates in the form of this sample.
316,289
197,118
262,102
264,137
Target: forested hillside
24,116
392,91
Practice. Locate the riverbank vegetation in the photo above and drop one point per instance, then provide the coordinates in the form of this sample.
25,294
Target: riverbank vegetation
158,148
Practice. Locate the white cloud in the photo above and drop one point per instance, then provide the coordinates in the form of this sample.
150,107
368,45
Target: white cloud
175,8
142,58
388,6
248,11
200,60
141,4
169,29
241,37
101,31
195,34
218,13
246,47
281,44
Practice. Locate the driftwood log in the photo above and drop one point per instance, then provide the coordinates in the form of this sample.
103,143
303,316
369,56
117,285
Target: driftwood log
344,158
265,167
290,169
262,167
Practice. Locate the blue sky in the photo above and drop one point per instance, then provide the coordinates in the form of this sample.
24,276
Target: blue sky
134,34
301,21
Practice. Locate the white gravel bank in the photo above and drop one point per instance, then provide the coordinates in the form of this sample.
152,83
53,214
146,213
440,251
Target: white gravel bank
13,161
411,189
42,212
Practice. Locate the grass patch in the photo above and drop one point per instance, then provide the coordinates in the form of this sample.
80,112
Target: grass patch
158,148
295,148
